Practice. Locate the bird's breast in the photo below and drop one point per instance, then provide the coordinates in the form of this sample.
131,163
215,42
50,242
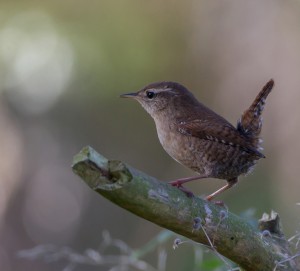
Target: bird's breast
180,147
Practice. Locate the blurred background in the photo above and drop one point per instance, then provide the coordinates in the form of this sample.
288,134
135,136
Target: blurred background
63,65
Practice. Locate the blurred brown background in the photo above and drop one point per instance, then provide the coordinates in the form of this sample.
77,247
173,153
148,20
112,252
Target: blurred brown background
63,65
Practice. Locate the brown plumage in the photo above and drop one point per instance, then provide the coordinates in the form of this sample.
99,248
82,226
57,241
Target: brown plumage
250,122
200,139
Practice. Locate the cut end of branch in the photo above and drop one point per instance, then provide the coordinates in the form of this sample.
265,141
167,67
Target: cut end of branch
98,172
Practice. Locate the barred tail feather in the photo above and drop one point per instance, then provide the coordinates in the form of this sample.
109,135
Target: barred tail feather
250,122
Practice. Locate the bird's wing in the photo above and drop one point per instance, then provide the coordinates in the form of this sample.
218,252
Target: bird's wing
219,131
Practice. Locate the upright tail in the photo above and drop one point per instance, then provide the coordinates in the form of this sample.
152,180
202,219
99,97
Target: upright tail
250,122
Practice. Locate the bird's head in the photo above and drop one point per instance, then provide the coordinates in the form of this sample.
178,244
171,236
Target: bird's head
159,96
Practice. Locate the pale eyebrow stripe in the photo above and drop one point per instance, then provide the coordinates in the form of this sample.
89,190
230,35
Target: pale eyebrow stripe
159,90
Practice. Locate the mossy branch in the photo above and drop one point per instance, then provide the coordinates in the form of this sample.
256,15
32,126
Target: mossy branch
194,218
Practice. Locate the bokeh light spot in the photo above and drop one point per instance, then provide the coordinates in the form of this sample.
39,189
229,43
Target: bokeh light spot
37,61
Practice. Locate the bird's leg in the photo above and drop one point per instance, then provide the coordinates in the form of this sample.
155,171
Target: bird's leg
181,181
230,183
178,183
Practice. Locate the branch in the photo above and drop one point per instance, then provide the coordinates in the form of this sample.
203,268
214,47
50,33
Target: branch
194,218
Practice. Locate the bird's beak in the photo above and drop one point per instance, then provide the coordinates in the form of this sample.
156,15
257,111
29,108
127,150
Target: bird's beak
129,95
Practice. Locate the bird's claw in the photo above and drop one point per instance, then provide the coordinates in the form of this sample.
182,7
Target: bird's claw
178,184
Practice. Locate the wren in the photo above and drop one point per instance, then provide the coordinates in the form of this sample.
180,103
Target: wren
200,139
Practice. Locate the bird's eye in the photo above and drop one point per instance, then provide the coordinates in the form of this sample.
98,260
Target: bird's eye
150,94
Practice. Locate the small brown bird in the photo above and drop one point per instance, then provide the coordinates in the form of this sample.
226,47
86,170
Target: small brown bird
200,139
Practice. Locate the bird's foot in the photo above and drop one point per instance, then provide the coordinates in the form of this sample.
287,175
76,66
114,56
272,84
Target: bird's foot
219,203
216,202
178,184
